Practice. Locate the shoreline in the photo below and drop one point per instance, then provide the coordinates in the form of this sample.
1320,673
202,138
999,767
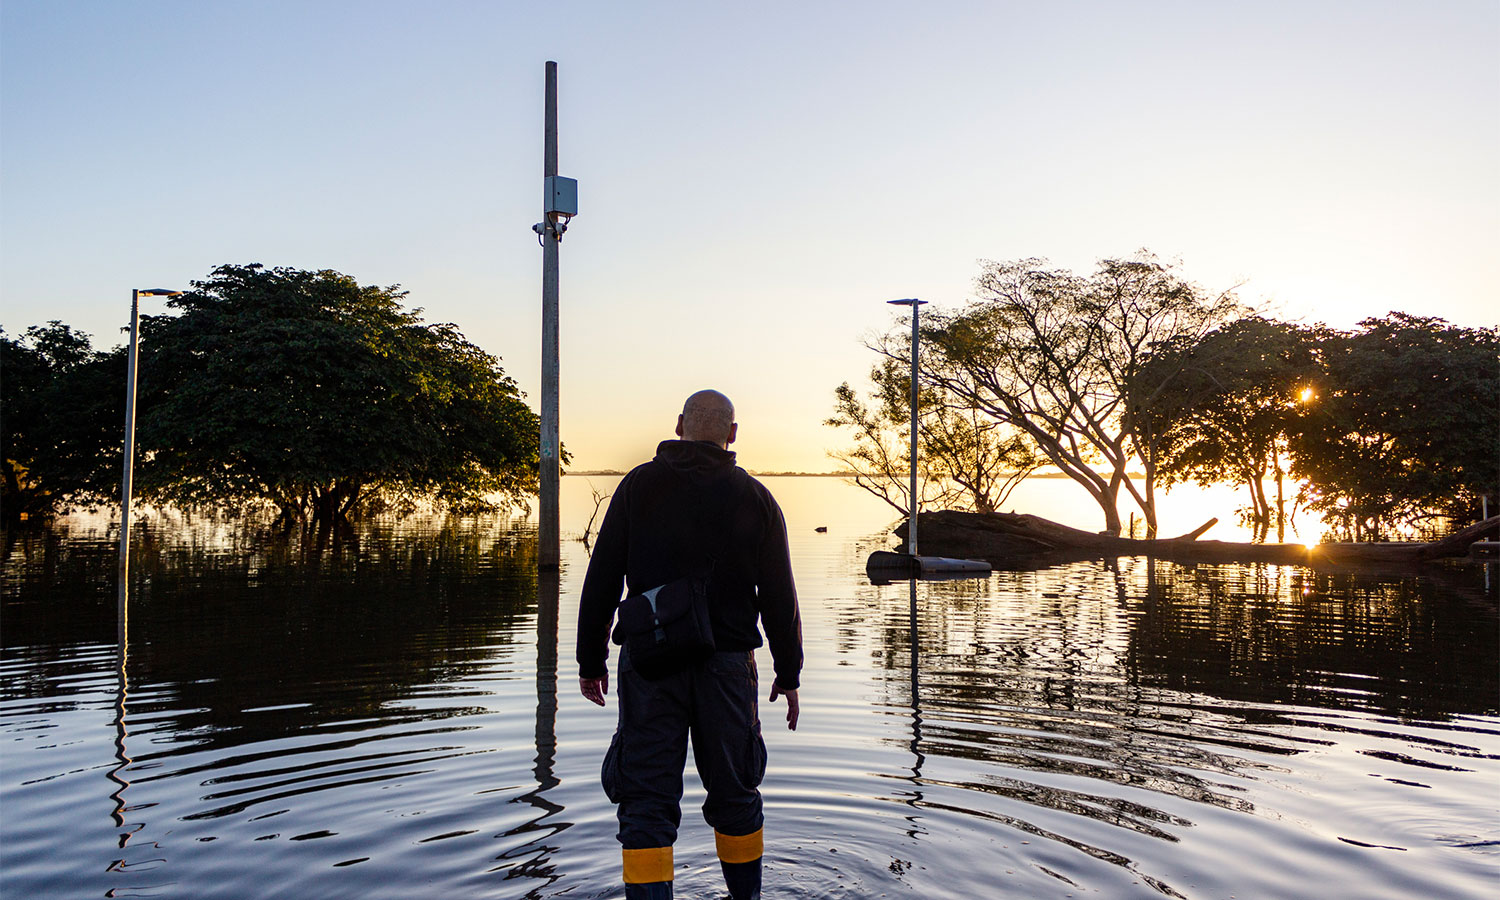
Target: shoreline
759,474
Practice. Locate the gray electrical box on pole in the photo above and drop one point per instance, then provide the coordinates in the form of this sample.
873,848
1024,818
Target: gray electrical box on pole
560,195
559,204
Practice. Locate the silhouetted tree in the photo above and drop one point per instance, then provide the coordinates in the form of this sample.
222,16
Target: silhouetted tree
1050,354
63,418
324,396
1222,408
967,459
1405,424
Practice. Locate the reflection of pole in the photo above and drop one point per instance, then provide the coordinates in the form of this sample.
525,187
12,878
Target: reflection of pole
538,853
122,631
548,535
916,696
547,589
916,709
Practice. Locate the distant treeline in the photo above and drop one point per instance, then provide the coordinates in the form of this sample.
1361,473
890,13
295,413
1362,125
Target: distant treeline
304,390
1132,378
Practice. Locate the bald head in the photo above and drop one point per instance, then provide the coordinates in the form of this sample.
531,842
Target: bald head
708,416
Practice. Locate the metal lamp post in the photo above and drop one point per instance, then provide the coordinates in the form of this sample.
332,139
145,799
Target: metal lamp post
122,620
884,565
911,528
125,480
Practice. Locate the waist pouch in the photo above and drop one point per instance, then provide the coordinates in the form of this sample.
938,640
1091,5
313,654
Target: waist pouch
666,629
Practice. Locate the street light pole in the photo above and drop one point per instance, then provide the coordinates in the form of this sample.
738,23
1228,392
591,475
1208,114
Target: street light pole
122,620
129,469
911,527
883,565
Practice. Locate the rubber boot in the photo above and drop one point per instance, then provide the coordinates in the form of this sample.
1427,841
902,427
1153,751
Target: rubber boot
647,873
742,879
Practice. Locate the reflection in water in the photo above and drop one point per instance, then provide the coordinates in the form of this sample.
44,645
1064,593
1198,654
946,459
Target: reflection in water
1283,635
382,717
254,675
122,652
534,858
1086,690
914,637
292,649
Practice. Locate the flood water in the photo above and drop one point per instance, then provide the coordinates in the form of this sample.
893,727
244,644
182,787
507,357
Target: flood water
400,719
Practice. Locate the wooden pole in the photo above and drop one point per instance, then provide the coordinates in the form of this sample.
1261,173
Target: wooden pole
548,532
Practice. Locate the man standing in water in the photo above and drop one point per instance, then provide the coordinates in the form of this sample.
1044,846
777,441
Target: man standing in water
691,509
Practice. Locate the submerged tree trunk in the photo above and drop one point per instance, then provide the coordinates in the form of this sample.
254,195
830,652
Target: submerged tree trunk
1261,507
1280,504
1011,538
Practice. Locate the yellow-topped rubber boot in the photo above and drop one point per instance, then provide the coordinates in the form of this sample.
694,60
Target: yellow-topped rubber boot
739,857
648,873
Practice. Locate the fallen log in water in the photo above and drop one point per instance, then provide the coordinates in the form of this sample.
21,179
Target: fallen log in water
1010,539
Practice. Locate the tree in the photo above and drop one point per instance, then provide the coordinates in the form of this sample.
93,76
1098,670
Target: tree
966,460
324,397
64,412
1222,408
1405,425
1050,354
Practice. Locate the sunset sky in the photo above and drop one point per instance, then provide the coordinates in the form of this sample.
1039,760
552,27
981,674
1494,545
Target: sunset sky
755,179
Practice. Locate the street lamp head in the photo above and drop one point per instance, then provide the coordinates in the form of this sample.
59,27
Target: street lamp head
158,292
912,301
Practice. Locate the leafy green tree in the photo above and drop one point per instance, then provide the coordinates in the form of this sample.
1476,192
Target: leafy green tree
324,397
1223,407
63,417
1405,425
967,460
1050,354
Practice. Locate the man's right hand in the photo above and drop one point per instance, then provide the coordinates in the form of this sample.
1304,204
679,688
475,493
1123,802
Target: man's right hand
595,688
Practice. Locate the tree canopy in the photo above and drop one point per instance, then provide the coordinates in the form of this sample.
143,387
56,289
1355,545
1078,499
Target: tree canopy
1050,354
1134,369
1385,427
323,396
966,459
1222,408
1404,424
303,389
64,411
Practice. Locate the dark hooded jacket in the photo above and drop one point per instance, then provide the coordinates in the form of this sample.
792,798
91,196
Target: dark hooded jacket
687,509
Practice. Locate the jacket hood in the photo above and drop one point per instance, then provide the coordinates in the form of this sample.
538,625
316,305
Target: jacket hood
700,461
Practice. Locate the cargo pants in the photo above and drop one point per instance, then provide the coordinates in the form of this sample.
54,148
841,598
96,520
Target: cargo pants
713,703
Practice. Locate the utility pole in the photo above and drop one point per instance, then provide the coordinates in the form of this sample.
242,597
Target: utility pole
560,203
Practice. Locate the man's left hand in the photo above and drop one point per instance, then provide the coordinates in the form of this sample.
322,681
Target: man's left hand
595,688
791,704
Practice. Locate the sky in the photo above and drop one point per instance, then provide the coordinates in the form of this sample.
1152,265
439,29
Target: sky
755,179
